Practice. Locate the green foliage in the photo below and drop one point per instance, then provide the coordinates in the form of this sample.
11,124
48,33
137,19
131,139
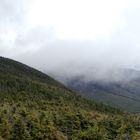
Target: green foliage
35,107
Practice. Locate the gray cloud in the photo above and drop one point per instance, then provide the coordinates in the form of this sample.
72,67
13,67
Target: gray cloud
96,59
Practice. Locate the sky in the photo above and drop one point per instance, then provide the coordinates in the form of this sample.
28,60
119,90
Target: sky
71,37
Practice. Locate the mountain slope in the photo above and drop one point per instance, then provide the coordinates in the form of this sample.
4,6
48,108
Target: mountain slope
33,106
123,94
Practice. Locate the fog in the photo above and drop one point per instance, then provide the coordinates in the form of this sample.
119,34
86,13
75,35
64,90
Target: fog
65,39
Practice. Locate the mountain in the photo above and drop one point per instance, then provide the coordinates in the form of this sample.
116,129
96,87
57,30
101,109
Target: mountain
123,91
33,106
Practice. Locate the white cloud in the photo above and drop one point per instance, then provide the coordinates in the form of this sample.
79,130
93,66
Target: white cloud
49,34
78,19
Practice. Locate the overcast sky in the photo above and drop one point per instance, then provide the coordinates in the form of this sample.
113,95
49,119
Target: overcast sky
68,36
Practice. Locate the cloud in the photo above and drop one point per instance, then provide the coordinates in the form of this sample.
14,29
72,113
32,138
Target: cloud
68,38
12,14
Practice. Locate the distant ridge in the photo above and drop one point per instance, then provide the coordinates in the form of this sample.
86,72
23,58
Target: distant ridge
121,94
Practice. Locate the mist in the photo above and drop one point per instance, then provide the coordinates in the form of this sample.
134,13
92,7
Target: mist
103,63
95,40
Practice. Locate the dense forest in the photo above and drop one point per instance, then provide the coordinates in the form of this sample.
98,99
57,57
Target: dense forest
33,106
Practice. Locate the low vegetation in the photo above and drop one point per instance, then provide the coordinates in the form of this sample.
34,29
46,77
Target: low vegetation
33,106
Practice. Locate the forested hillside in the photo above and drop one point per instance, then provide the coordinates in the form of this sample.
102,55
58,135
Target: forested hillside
33,106
123,94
